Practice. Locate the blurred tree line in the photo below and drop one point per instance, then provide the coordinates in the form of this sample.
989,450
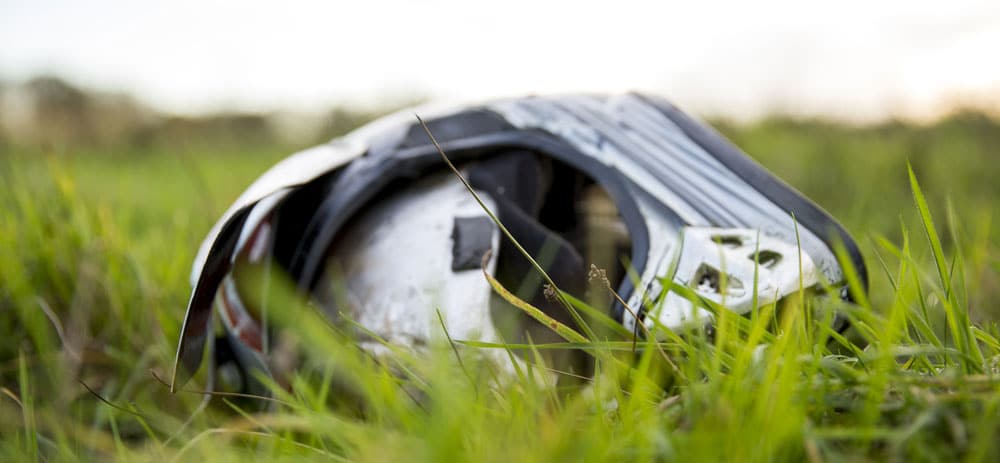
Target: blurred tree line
50,112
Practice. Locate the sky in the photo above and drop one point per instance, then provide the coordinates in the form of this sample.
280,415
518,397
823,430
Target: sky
858,60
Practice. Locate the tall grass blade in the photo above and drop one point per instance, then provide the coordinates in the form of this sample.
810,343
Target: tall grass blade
957,317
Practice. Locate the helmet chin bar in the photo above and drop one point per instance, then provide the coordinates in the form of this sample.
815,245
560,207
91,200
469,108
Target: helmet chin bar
719,265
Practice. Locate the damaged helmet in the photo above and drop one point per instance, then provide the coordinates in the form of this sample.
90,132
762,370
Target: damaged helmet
375,227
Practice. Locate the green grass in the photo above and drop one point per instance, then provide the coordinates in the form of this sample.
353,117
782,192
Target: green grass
95,250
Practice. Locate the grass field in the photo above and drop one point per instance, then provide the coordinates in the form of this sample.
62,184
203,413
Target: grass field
96,246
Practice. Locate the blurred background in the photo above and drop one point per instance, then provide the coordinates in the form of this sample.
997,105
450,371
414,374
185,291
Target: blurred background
855,61
127,127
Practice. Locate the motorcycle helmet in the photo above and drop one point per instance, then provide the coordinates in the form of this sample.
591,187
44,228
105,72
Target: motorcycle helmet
628,184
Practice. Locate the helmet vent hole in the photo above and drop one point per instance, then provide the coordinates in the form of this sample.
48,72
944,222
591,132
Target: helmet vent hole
708,279
767,259
728,241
